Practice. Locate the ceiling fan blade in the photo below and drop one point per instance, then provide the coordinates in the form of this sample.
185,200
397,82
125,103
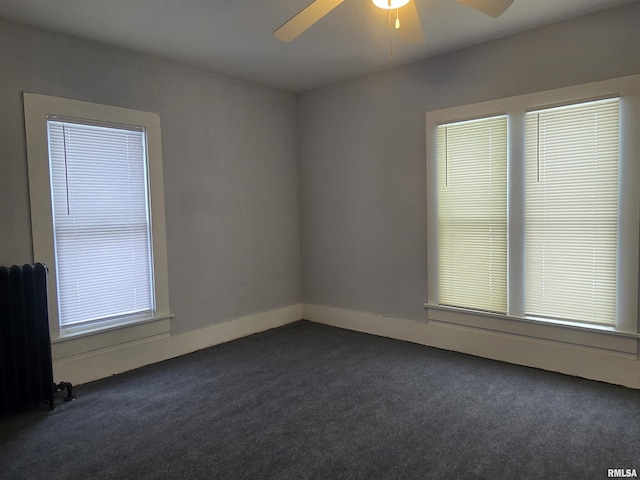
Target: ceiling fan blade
493,8
410,28
304,19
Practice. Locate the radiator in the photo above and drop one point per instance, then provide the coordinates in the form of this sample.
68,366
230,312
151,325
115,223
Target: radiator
26,370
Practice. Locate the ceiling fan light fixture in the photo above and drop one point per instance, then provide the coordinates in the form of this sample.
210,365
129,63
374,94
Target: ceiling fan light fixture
390,4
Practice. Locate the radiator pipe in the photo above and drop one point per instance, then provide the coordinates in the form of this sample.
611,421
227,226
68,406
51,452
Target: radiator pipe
62,386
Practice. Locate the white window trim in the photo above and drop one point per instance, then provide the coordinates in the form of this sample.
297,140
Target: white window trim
37,109
629,199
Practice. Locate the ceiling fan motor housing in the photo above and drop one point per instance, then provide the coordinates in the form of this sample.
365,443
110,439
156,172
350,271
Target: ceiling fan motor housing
390,4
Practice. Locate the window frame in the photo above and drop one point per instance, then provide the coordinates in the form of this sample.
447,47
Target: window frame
628,88
38,109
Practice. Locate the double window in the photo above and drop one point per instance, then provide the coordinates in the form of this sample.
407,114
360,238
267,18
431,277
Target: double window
534,201
95,175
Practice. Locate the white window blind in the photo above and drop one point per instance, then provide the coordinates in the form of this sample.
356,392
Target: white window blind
101,221
472,214
571,211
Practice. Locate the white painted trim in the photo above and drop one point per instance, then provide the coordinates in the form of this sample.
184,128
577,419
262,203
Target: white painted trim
37,108
558,356
89,366
536,329
98,341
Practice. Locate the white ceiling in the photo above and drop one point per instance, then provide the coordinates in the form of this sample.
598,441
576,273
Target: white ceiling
234,37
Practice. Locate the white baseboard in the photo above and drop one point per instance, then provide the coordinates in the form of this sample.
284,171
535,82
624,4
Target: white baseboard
587,362
103,363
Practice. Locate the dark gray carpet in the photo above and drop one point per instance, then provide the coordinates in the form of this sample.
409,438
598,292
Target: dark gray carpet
310,401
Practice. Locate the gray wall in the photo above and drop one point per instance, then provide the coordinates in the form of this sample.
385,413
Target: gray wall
231,180
232,171
362,152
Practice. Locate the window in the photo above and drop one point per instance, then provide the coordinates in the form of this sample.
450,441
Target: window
564,229
572,211
100,221
95,175
472,213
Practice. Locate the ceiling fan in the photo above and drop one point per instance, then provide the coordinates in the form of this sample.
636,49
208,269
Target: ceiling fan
411,28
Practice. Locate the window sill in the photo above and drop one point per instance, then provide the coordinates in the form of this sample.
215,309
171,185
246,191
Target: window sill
88,339
596,336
